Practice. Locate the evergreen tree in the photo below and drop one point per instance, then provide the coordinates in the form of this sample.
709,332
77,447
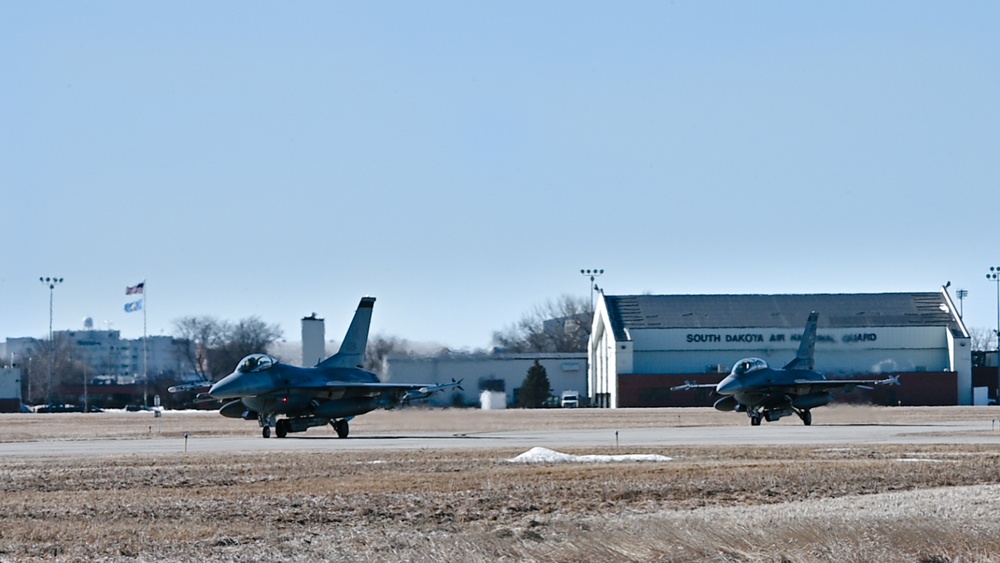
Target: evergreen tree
535,389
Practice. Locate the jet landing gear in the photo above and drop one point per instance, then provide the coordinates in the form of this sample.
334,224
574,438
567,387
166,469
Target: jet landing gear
774,415
281,427
341,427
266,422
806,416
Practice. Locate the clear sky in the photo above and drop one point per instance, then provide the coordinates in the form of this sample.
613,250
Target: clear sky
462,161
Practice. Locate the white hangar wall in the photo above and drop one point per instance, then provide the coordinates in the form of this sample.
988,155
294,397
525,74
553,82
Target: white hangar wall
565,372
838,351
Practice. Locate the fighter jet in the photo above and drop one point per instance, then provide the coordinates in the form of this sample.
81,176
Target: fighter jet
333,392
769,394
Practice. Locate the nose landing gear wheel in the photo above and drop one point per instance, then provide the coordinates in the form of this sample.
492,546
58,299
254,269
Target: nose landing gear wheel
266,431
755,419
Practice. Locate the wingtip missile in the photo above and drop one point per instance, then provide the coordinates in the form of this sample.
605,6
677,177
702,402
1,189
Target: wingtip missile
189,386
425,392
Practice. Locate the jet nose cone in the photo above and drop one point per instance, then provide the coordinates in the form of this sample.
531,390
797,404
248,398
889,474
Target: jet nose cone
227,387
728,386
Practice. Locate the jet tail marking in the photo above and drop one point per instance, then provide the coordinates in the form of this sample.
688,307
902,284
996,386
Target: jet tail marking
352,350
807,347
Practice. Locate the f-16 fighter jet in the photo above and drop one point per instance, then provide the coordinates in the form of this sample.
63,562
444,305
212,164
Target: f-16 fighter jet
293,399
769,394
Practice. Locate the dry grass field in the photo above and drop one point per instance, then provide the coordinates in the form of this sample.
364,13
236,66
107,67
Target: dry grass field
860,503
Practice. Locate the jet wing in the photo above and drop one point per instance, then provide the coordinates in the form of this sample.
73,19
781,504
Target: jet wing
839,383
385,386
413,390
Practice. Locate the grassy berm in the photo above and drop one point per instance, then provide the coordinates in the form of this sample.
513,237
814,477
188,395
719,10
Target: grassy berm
810,503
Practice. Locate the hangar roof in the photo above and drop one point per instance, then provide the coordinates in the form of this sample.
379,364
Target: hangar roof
848,310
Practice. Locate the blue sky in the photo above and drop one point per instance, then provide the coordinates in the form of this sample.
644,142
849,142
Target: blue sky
462,161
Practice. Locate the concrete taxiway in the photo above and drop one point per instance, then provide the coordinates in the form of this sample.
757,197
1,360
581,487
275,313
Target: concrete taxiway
985,432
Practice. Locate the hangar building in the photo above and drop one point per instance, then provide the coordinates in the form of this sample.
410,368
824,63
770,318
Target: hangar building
641,345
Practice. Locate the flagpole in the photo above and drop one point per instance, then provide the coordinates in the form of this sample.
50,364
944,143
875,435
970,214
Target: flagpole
145,353
132,307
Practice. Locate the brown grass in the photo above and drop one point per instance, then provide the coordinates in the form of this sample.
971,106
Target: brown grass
859,503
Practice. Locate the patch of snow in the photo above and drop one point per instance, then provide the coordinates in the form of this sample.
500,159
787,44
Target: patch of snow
545,455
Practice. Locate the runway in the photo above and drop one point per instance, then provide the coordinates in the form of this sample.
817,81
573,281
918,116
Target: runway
974,432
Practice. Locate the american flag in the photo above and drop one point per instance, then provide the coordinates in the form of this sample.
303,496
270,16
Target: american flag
135,289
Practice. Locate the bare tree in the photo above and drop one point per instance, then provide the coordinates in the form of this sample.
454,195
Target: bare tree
56,354
983,339
205,333
379,347
220,345
248,336
562,325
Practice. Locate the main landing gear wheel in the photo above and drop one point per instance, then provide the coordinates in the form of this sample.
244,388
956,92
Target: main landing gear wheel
266,431
281,428
807,417
341,427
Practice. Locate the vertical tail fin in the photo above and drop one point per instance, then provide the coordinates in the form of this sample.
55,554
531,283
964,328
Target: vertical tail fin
352,349
807,347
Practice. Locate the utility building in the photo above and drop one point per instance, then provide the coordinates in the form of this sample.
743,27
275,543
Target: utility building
497,373
642,345
10,389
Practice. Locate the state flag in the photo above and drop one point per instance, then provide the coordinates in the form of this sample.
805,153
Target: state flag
133,306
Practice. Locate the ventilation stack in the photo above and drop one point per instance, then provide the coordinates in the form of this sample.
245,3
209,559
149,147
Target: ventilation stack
313,341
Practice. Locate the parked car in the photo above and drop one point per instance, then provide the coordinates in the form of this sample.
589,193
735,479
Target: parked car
58,407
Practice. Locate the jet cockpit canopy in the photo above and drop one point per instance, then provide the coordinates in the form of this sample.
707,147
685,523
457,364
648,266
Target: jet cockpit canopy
255,363
747,365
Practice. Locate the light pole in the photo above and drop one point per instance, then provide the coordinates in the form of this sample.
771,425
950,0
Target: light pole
593,275
52,283
962,294
28,375
994,275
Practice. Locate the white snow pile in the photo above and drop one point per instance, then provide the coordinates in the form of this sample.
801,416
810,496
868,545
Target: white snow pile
545,455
